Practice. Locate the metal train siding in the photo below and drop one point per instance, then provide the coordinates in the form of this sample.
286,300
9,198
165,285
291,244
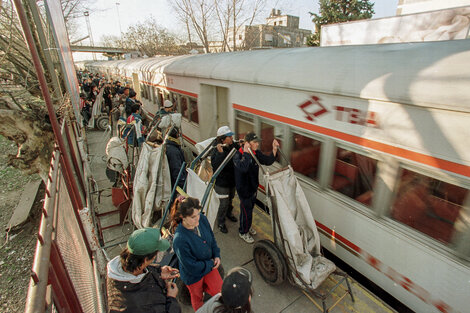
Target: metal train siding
377,134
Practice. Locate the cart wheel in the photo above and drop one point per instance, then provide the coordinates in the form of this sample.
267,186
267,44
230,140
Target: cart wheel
269,262
183,292
102,122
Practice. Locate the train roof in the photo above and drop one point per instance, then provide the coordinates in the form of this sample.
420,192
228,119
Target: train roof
431,74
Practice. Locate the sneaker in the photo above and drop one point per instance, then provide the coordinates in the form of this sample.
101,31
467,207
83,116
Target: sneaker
232,218
252,231
247,237
223,229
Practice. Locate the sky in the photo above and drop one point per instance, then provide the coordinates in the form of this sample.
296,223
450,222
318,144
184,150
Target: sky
104,15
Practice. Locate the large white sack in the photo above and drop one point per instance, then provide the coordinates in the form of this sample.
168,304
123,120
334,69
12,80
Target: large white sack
96,109
195,188
298,228
170,119
116,154
200,146
152,189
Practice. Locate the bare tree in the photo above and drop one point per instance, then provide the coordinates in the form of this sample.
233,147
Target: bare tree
218,19
199,13
224,13
111,41
151,39
234,15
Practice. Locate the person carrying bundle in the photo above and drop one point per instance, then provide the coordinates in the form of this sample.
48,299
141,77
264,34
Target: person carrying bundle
134,285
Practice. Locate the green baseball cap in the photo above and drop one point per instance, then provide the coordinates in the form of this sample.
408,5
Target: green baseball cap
145,241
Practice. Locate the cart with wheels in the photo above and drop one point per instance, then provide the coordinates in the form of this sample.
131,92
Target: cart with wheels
295,254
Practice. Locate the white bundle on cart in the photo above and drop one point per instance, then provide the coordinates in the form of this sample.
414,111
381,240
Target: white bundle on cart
152,185
298,228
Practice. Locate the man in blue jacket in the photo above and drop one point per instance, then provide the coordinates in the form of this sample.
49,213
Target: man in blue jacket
246,179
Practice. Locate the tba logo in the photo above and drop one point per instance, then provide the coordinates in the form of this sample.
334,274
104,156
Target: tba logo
312,108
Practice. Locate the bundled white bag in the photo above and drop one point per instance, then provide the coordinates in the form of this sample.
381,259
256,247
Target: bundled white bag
116,155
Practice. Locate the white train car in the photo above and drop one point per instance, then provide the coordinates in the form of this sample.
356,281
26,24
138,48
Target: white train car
379,136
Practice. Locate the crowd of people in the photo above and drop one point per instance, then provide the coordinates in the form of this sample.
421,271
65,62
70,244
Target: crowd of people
135,282
118,99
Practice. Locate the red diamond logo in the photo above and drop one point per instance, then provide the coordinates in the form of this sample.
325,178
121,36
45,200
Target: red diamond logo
313,108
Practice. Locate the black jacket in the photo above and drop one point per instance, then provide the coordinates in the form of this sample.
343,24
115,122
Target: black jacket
128,106
226,177
175,158
246,171
148,296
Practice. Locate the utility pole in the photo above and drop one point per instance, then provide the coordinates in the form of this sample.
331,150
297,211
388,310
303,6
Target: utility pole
119,21
87,18
234,26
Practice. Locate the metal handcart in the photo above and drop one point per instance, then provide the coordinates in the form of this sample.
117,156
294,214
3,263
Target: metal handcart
295,253
99,119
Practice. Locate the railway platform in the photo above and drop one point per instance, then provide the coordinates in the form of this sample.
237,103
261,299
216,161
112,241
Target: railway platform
234,251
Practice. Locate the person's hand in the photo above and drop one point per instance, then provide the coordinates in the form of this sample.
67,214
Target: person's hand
275,146
169,272
246,145
171,289
220,148
216,262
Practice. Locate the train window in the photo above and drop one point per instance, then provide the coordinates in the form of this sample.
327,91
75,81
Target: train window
354,176
305,155
184,107
268,134
194,110
430,206
244,123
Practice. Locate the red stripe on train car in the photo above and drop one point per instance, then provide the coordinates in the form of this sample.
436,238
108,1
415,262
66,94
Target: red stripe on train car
339,237
386,148
392,274
189,139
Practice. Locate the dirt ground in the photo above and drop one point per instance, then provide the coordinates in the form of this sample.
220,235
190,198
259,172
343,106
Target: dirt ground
17,246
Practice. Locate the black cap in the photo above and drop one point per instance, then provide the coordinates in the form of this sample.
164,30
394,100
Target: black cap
251,136
236,288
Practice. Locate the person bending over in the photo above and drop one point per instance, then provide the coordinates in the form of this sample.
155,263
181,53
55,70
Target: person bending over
134,285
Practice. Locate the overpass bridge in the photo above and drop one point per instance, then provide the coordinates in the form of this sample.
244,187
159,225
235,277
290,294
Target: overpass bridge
106,50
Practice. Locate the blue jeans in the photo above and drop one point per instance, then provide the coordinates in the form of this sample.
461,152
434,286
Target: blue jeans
246,213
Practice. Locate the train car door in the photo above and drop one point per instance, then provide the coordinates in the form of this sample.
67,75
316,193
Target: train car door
213,101
136,85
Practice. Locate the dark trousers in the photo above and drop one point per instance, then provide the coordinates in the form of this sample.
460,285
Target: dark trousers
246,213
225,195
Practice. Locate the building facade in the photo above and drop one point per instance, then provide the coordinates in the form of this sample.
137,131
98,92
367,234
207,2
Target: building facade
280,31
